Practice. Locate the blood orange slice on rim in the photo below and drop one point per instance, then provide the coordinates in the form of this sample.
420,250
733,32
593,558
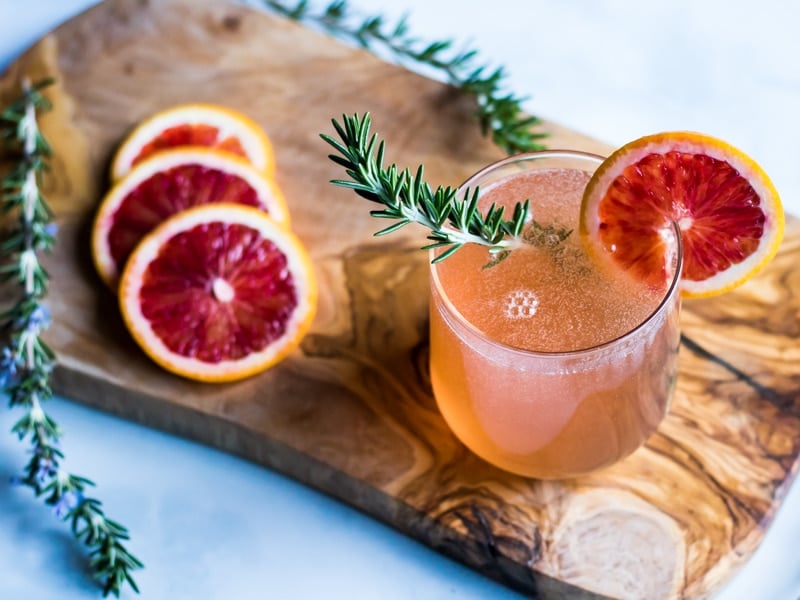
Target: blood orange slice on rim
195,125
728,211
165,184
218,292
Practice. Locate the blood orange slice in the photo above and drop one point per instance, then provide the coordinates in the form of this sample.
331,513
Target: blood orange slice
218,292
728,211
195,125
165,184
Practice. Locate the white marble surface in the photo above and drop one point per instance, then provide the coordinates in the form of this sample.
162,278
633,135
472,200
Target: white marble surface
211,526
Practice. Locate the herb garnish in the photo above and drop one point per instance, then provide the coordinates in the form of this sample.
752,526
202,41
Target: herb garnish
407,198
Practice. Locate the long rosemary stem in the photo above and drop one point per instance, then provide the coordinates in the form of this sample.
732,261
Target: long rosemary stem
498,111
27,360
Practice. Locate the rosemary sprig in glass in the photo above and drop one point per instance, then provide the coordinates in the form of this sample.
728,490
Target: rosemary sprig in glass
27,361
499,113
407,198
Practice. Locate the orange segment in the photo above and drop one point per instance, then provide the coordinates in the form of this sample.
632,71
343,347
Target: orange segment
728,211
205,125
166,183
218,292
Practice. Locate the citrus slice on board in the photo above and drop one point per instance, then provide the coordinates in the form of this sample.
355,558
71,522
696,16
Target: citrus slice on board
728,211
218,292
165,184
195,125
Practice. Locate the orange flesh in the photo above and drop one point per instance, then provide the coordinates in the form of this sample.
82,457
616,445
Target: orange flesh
716,208
167,193
177,292
190,135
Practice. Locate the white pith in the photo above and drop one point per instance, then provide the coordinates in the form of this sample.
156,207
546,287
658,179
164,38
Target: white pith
222,290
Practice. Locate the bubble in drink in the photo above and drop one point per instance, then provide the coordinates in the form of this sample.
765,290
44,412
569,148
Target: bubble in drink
521,304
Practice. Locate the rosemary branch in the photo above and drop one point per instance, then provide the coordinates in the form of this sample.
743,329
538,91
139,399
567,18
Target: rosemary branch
27,361
407,198
499,113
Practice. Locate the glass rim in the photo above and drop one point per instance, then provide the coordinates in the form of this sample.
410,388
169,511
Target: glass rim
462,321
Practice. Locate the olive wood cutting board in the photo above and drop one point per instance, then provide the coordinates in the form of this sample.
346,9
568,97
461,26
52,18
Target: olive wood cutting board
351,412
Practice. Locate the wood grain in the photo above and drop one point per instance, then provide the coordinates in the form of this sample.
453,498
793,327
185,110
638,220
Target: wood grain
351,412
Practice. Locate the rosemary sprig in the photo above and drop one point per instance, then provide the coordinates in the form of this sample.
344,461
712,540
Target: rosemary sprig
499,113
27,361
407,198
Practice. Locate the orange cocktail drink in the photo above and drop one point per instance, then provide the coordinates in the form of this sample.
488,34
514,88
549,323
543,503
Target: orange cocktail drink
553,362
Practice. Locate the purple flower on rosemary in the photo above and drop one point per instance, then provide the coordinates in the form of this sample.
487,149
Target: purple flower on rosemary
46,468
8,367
68,501
51,229
39,318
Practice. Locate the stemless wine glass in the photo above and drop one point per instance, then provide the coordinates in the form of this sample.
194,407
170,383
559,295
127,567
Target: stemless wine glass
526,365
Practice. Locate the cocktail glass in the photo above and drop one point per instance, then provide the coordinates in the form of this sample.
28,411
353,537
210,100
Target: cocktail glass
583,402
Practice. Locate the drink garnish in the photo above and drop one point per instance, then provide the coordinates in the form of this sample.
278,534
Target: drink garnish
408,198
728,211
726,208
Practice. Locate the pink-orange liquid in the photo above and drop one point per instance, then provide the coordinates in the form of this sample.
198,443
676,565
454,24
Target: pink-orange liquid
508,377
